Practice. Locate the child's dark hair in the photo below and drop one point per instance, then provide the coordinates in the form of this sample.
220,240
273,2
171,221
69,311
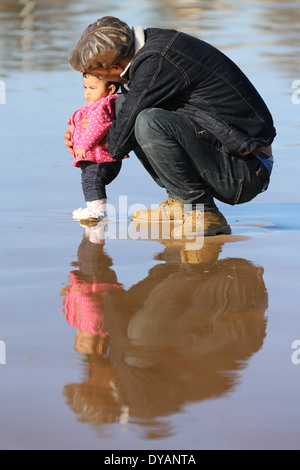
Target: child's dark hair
115,84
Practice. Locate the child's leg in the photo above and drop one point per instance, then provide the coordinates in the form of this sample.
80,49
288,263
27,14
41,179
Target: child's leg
95,178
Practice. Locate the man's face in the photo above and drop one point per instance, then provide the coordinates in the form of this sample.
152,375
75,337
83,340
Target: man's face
112,74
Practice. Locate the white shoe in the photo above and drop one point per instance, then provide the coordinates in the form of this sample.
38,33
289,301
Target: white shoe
86,214
81,214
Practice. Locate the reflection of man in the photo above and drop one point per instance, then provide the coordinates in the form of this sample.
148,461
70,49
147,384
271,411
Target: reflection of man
192,117
181,335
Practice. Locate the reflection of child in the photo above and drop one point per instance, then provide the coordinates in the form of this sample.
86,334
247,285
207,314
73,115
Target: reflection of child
97,167
83,309
84,295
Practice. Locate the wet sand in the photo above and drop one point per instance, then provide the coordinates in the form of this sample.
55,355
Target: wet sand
144,344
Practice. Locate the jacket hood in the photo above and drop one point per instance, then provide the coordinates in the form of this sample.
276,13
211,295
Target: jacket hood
107,35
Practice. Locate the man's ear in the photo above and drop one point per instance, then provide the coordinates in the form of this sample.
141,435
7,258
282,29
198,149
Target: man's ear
117,68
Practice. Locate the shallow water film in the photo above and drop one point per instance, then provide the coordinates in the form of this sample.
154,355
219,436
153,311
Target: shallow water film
110,340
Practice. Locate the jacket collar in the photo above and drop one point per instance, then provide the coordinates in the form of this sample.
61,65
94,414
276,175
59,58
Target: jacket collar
139,39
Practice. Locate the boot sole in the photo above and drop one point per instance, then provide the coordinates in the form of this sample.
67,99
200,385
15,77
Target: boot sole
225,230
155,221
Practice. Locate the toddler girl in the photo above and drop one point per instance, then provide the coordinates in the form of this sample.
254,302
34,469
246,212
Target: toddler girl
97,167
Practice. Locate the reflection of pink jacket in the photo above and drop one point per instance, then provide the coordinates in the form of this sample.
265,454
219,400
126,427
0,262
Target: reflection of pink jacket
84,304
100,115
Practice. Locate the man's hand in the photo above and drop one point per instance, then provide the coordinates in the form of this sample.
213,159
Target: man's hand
85,122
81,154
67,136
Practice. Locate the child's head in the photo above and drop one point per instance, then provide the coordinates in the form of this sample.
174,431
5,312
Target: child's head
95,88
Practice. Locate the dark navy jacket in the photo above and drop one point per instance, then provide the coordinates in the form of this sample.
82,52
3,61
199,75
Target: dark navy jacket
178,72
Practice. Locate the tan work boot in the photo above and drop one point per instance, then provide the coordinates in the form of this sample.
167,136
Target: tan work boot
197,223
167,211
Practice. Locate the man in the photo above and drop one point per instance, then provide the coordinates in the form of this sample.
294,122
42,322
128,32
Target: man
192,117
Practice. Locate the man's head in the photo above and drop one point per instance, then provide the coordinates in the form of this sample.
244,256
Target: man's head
105,49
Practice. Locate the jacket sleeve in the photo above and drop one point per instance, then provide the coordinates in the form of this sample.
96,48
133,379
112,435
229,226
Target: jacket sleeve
155,80
97,128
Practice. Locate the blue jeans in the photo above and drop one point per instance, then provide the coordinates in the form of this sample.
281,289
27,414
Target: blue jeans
191,170
96,176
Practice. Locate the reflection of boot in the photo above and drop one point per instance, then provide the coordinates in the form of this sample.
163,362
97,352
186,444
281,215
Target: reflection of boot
208,252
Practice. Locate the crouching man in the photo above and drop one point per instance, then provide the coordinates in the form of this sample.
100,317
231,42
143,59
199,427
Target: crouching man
192,117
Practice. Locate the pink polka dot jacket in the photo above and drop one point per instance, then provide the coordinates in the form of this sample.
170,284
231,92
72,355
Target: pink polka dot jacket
101,115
